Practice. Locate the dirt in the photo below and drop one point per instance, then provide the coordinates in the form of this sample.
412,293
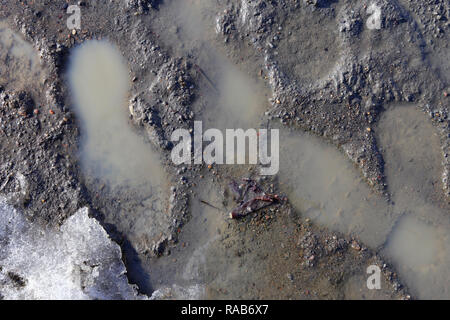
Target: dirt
325,73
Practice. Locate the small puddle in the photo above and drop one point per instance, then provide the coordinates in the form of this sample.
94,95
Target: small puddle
186,265
112,153
411,150
325,187
308,44
19,61
240,102
111,150
186,25
233,99
420,250
419,245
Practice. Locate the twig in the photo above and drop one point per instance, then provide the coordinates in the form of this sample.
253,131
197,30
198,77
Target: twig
206,77
209,204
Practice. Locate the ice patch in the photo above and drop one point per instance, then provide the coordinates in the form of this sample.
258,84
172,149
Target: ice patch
79,261
194,292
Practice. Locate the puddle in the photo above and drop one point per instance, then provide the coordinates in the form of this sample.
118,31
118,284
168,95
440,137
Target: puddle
185,265
325,187
19,62
411,150
111,150
232,98
419,245
240,103
410,238
186,25
420,251
112,153
309,44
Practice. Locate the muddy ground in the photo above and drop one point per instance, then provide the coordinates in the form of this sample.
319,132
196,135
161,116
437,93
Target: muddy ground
323,73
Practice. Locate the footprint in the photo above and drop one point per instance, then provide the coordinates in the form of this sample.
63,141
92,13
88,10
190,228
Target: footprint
22,68
413,231
419,244
112,153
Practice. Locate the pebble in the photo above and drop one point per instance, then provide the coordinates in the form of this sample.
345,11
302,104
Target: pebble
355,245
290,276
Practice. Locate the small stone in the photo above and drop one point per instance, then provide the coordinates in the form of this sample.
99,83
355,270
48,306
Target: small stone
355,245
